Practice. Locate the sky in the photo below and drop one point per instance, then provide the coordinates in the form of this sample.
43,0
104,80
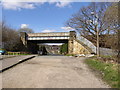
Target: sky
40,16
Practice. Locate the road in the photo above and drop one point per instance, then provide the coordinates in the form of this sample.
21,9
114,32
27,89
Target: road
7,62
51,72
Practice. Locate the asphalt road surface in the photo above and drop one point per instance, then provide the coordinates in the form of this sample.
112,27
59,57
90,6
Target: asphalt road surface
51,72
7,62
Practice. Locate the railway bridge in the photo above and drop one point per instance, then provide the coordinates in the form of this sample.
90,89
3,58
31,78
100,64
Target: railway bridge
76,44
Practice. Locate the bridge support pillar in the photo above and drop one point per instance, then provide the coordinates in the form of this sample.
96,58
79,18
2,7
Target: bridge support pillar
23,36
71,42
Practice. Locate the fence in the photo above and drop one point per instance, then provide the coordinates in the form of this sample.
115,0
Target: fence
107,52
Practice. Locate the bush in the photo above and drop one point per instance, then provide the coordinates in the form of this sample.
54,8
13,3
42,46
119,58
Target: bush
64,49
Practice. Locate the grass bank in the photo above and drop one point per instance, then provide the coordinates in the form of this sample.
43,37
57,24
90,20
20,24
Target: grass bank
107,70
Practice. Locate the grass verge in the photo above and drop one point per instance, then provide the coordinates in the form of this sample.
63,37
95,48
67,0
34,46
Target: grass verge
20,54
108,71
69,55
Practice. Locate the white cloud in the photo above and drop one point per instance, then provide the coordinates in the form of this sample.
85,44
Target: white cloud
24,25
48,30
62,4
18,5
67,28
31,4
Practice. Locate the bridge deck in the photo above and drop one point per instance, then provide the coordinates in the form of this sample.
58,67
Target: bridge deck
47,38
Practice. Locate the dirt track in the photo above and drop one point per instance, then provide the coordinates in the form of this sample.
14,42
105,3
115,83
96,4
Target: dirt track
51,72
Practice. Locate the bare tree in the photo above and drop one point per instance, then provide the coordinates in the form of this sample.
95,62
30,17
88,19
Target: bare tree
85,22
27,30
10,38
112,25
111,19
0,35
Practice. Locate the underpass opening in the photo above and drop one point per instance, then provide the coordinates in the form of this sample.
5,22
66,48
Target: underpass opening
42,47
53,49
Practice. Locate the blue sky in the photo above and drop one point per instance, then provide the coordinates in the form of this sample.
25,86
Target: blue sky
45,17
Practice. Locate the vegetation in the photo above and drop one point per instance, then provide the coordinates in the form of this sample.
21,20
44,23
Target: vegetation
11,38
18,53
69,54
98,15
27,30
107,70
64,48
2,49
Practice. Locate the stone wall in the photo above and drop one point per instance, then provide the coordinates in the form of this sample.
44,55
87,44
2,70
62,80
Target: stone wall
70,42
74,47
23,38
79,49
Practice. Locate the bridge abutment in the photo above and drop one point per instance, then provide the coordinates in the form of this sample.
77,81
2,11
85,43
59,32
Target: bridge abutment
29,46
74,47
71,42
23,36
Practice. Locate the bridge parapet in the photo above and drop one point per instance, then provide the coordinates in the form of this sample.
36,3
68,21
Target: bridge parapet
48,34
